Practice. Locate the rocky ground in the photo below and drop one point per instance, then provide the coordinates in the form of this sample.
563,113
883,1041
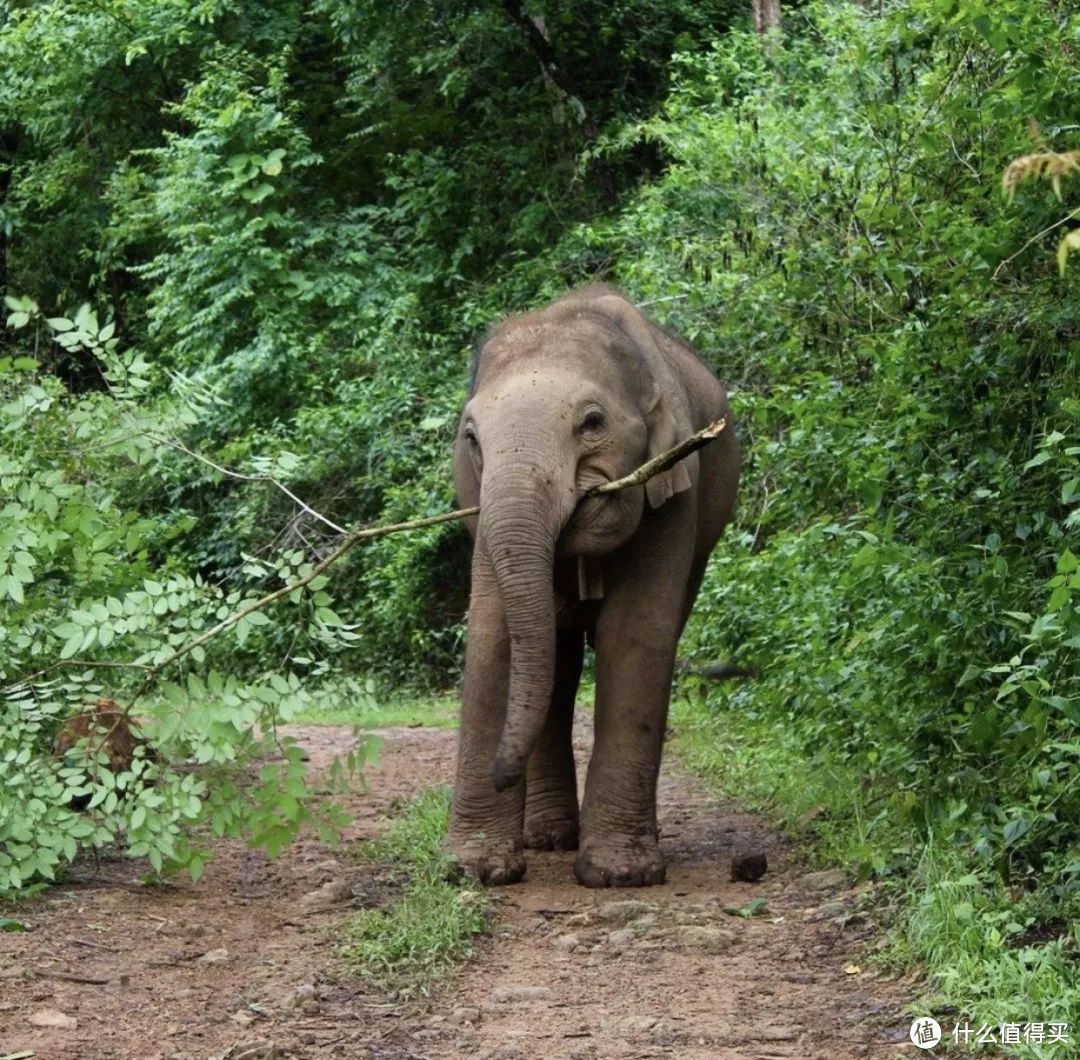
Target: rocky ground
242,966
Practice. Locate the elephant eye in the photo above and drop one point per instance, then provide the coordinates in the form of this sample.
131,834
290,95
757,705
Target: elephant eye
593,421
470,434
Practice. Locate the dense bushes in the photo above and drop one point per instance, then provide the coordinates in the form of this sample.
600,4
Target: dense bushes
905,359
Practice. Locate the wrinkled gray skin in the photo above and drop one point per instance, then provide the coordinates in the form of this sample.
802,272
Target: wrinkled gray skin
579,393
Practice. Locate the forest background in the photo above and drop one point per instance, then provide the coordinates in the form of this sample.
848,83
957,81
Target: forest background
245,251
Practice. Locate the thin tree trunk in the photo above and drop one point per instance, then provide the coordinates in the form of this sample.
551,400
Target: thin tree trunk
766,15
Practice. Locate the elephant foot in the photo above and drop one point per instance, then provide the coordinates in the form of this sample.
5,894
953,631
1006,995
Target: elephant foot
493,864
636,863
551,833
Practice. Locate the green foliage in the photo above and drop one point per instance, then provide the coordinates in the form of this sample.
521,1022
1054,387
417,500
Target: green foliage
433,923
94,607
904,355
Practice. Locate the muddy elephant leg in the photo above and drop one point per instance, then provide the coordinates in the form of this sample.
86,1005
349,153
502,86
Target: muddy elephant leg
485,825
551,801
636,637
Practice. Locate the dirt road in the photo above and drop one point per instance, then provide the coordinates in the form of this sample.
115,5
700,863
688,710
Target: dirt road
242,965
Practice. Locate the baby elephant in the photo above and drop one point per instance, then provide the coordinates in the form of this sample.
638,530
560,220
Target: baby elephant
572,396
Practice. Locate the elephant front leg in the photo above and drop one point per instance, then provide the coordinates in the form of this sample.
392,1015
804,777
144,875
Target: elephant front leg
551,801
485,825
619,845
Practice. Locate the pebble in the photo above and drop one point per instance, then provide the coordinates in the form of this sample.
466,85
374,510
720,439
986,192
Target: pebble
257,1050
825,880
303,993
623,911
52,1017
503,995
330,894
465,1016
622,937
706,939
629,1026
218,956
567,943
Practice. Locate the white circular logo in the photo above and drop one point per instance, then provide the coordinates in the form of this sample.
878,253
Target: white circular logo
925,1032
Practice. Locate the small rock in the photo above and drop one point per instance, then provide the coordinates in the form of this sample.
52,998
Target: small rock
330,894
311,1007
643,923
304,992
749,866
244,1018
567,943
629,1026
828,911
218,956
706,939
623,911
52,1017
257,1050
465,1016
503,995
622,937
825,880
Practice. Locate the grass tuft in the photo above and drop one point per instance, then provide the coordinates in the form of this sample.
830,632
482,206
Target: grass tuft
433,923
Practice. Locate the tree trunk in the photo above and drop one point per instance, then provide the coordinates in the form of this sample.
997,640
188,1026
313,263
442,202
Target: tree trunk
766,15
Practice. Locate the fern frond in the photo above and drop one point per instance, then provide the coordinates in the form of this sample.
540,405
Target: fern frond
1053,165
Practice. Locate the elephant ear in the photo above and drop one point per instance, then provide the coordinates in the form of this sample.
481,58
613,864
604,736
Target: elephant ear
665,431
663,403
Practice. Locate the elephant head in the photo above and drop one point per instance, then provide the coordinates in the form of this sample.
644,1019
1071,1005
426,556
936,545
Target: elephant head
563,399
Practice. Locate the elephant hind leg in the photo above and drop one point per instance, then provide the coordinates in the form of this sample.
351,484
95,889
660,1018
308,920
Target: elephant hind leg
551,800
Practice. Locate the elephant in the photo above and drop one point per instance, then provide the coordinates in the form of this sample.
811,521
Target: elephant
571,396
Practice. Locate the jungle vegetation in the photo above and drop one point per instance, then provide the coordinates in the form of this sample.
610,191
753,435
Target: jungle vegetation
245,250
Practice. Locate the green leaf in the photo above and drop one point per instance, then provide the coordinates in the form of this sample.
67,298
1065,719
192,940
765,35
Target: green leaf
59,323
71,646
7,924
258,193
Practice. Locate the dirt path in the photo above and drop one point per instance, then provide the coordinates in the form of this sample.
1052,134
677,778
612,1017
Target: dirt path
242,965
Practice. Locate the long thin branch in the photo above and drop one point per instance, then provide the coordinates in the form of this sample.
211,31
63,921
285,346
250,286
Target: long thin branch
346,544
1072,215
172,443
645,472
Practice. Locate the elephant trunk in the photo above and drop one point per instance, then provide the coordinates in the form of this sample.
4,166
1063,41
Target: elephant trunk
520,527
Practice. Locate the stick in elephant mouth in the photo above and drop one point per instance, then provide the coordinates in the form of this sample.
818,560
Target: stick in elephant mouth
662,462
